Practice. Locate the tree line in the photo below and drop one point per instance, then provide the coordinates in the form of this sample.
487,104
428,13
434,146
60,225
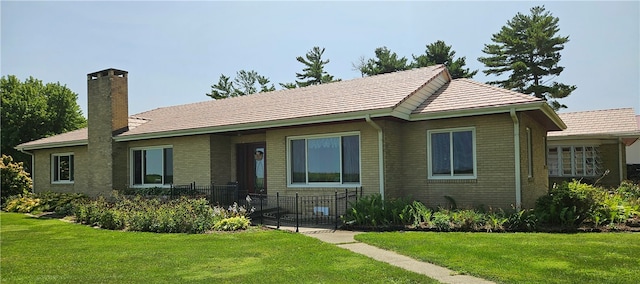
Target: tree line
526,50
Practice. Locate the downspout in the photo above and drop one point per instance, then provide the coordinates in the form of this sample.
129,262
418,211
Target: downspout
33,166
620,165
516,141
380,153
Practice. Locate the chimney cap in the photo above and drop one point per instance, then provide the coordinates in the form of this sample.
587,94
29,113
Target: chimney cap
107,72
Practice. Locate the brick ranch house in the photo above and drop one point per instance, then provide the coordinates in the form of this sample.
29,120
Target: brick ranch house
416,134
594,144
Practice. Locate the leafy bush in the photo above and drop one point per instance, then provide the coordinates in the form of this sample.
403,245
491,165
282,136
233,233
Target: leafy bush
152,215
23,203
232,224
568,204
15,180
442,221
420,214
373,211
522,221
28,202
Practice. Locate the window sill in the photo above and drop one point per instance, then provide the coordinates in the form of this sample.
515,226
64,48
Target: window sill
150,186
62,182
325,185
473,180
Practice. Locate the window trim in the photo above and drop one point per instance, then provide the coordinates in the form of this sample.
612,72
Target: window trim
452,176
72,170
308,184
132,169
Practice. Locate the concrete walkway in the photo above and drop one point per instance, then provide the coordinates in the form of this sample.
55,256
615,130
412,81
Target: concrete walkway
345,239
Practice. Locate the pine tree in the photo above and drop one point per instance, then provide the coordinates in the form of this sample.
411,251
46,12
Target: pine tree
440,53
313,73
528,49
385,62
245,83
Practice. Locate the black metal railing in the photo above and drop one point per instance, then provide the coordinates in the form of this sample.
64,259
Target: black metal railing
223,195
301,210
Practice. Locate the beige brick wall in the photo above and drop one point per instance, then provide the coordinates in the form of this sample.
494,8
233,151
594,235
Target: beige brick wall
191,157
277,161
393,158
494,186
222,159
538,184
42,180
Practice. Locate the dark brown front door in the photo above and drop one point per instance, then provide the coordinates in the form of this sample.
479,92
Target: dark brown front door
252,167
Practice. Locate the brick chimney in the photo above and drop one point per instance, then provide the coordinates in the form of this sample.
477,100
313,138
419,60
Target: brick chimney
108,112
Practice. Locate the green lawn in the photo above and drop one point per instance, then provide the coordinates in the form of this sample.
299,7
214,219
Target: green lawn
523,257
51,251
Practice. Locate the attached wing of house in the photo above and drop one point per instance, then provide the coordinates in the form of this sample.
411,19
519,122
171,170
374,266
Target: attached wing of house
593,145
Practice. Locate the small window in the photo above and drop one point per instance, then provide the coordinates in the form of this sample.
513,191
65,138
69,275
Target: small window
574,161
152,166
324,160
62,168
451,153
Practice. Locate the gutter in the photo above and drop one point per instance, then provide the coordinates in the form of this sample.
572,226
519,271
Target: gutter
380,152
516,141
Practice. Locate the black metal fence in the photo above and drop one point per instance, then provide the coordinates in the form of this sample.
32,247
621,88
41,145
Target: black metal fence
302,210
294,210
223,195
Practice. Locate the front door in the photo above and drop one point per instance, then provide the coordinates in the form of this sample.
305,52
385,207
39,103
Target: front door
252,167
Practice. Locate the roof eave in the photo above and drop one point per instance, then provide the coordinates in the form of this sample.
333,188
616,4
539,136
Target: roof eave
542,106
72,143
613,135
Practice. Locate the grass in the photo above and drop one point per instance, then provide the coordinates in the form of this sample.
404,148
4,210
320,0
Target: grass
523,257
51,251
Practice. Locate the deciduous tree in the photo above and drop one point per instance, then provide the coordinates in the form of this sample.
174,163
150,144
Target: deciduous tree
528,49
32,110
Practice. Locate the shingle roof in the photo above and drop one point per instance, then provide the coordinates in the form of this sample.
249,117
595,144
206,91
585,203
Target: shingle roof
362,94
616,122
380,95
462,94
75,137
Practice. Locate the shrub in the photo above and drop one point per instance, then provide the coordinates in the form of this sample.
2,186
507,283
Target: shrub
15,180
24,203
568,204
373,211
441,221
420,214
522,221
28,202
152,215
467,220
232,224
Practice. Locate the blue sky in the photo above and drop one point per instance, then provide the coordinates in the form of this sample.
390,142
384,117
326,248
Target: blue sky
174,51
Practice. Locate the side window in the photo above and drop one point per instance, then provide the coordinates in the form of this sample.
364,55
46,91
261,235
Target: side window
62,168
451,153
